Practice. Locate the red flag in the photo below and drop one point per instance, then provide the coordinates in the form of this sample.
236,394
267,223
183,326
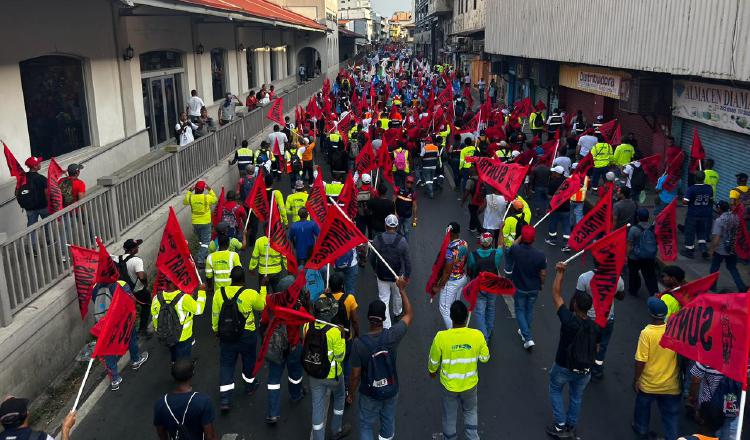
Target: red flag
467,96
610,132
487,282
282,316
15,168
650,166
446,96
276,112
697,153
257,199
106,271
116,328
365,161
688,291
471,126
609,255
317,204
54,173
386,162
673,172
344,122
85,263
437,266
326,87
598,220
160,283
219,209
276,149
540,105
742,239
280,241
506,178
523,108
337,236
289,296
665,229
584,165
566,190
174,259
348,197
712,330
313,109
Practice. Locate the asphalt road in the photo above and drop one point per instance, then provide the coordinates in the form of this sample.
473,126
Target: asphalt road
513,386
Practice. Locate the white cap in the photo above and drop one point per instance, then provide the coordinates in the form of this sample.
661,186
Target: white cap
366,178
515,153
558,169
503,144
391,221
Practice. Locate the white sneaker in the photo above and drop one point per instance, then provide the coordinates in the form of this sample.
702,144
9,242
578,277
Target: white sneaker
523,341
550,242
528,344
137,364
115,384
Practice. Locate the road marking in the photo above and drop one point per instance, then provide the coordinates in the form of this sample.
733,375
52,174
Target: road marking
511,305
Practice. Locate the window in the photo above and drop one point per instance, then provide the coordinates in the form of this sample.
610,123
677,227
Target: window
218,73
475,5
55,102
250,68
160,60
274,66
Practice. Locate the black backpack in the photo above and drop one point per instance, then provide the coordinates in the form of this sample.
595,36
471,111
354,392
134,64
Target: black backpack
296,161
315,359
725,400
379,379
33,435
389,252
246,185
538,121
341,318
181,433
520,223
339,160
638,179
27,196
122,267
168,325
582,350
66,189
231,320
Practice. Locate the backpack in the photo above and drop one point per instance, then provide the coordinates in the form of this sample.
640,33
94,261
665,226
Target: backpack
339,160
66,189
278,346
646,247
315,359
379,379
581,351
314,284
341,318
538,121
400,160
745,200
725,400
228,217
102,297
231,320
261,158
246,185
638,179
168,325
181,433
389,252
27,196
296,162
33,435
122,268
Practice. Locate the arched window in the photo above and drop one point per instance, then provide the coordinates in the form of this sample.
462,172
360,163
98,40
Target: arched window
55,100
218,73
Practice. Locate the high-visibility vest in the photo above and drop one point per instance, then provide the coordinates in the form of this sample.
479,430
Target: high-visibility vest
244,157
333,189
186,308
200,206
249,301
456,353
467,152
430,158
294,202
602,154
258,259
219,266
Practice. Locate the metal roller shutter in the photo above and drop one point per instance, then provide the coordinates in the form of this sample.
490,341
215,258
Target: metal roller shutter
729,150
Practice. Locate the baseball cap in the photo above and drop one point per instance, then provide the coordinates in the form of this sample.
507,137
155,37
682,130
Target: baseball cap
13,411
741,176
391,221
200,185
515,153
558,169
222,228
376,311
574,166
299,184
32,161
74,168
503,144
528,234
656,307
410,179
366,178
325,308
485,238
131,244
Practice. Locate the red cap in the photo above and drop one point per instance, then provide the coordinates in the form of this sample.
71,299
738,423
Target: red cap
528,234
200,185
410,179
33,161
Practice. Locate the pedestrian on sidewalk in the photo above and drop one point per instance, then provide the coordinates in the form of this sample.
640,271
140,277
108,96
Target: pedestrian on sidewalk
722,247
561,215
201,198
453,278
456,353
131,270
394,249
485,259
656,376
699,200
574,359
173,303
184,407
233,322
642,255
529,272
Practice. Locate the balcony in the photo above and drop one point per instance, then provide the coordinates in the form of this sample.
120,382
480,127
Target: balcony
439,7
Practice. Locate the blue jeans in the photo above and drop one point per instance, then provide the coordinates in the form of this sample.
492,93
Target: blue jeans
467,402
731,261
576,212
558,378
320,391
524,305
728,430
700,226
370,410
182,349
33,216
404,226
604,336
540,200
562,219
244,348
669,409
350,278
293,363
203,232
428,174
135,354
485,314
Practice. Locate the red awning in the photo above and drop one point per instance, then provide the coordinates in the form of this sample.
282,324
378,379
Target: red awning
261,9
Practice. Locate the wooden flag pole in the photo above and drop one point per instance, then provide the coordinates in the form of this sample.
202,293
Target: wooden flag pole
83,383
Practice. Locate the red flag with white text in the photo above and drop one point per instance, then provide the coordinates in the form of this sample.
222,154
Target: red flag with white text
609,254
280,241
85,264
506,178
665,229
174,259
113,332
597,221
337,236
276,112
317,204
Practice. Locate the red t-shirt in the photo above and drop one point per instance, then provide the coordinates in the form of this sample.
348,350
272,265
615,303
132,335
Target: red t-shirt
78,187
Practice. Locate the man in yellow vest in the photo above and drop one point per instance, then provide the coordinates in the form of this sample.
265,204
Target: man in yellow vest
186,307
231,344
602,154
220,263
201,198
295,201
430,161
242,157
333,189
278,198
456,352
267,261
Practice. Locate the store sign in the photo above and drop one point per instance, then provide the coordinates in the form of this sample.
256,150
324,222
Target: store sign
599,83
720,106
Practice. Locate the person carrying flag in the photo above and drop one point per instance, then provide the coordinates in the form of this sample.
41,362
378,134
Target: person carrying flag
453,277
485,259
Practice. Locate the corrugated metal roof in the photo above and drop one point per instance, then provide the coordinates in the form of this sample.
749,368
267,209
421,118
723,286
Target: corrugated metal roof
707,38
261,9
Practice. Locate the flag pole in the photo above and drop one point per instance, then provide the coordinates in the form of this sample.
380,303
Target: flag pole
574,256
741,416
268,235
247,220
91,362
332,324
542,219
328,273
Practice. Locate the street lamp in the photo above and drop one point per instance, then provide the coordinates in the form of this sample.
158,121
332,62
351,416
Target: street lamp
128,53
199,49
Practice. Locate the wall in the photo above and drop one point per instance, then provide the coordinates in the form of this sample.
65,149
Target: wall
471,19
682,37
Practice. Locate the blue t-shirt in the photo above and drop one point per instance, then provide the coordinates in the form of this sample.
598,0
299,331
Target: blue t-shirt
303,235
699,198
527,263
199,414
665,196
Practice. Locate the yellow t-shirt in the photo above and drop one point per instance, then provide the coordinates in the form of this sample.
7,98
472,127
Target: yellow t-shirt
734,194
661,373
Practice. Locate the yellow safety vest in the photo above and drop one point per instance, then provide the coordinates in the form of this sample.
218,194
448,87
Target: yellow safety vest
200,206
186,308
244,156
249,301
219,266
602,154
456,353
258,259
294,202
333,189
466,152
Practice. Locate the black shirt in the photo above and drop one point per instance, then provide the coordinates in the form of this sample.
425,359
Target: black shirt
200,413
38,184
554,184
569,326
380,208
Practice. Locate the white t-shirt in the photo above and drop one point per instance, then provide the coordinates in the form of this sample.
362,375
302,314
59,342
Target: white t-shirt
281,136
563,161
194,106
493,212
587,143
584,285
134,265
187,135
628,172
